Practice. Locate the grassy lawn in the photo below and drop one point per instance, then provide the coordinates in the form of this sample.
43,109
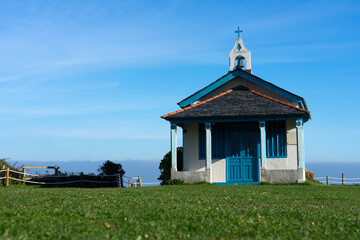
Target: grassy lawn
179,212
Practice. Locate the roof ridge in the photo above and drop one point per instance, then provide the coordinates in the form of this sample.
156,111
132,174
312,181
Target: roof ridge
197,104
278,101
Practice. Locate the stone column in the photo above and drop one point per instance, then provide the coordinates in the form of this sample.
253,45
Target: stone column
300,150
208,152
173,148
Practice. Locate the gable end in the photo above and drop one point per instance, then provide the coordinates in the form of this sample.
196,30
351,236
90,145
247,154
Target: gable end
231,75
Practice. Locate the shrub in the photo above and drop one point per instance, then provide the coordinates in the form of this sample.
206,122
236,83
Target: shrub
165,165
111,168
5,164
309,175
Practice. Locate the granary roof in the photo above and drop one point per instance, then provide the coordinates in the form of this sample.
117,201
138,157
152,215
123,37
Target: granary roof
238,103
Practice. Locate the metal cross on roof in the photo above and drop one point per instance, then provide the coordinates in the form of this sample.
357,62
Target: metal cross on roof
238,31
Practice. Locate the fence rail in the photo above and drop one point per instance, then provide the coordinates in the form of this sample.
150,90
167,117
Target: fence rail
333,180
28,178
38,179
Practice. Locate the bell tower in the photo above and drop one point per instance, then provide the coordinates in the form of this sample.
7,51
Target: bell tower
239,53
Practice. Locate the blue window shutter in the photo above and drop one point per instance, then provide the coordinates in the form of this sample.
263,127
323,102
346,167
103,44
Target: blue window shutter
218,135
276,139
217,140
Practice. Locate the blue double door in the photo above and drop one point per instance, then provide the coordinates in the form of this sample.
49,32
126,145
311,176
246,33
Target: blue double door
242,165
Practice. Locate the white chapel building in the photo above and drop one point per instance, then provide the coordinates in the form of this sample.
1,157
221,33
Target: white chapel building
240,129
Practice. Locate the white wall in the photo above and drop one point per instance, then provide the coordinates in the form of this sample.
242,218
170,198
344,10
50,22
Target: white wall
218,170
191,155
191,148
290,162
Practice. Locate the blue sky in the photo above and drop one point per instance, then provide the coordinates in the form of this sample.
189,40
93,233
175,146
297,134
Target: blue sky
89,80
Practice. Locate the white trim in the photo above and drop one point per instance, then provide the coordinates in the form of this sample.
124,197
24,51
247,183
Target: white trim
262,144
173,129
208,145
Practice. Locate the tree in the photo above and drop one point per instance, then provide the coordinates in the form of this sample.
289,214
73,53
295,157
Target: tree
111,168
165,165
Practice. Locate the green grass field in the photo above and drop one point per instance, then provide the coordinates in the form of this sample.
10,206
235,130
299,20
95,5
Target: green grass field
181,212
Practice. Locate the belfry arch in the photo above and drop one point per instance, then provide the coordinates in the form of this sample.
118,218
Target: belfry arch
239,51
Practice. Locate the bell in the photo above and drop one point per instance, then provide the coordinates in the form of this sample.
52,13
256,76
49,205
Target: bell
240,64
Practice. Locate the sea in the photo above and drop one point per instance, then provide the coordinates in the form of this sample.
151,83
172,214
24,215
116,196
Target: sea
149,170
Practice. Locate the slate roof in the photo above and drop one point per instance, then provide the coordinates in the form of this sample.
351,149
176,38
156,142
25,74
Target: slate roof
237,103
248,76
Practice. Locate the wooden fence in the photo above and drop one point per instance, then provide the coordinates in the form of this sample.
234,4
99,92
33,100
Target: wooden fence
136,183
82,180
334,180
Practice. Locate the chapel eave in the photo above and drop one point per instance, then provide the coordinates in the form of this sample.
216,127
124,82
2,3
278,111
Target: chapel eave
241,104
265,118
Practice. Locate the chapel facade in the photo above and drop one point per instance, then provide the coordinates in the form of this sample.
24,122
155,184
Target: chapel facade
240,129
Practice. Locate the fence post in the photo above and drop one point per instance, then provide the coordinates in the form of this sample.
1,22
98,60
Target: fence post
82,179
343,179
121,181
3,180
327,180
24,173
56,170
139,181
129,185
7,176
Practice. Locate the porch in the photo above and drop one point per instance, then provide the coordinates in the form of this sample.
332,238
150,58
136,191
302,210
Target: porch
238,152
